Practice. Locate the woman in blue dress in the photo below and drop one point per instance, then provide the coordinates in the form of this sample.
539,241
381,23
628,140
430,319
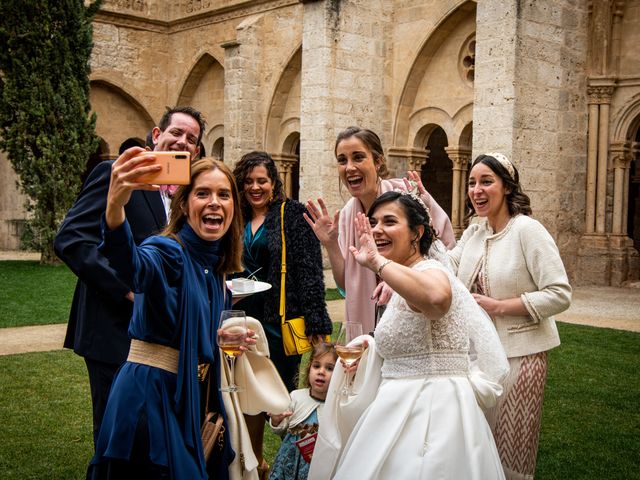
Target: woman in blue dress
151,427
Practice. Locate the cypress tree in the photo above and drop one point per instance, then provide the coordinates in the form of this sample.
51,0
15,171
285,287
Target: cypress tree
46,127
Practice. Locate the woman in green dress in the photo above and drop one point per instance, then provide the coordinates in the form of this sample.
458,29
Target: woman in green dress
262,195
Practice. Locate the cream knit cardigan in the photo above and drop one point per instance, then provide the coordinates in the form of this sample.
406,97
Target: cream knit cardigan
522,261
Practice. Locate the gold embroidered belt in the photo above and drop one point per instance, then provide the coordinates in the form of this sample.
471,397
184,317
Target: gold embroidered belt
154,355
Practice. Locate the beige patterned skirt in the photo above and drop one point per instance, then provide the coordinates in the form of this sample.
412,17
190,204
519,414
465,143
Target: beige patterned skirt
515,420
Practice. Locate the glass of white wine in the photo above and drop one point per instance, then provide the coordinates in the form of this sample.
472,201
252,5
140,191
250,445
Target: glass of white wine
232,334
349,353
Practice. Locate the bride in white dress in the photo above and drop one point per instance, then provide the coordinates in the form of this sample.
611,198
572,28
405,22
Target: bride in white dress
436,360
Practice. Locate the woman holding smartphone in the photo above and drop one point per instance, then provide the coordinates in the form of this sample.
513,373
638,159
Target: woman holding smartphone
151,427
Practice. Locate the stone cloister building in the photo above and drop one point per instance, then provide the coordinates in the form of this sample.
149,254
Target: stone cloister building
554,84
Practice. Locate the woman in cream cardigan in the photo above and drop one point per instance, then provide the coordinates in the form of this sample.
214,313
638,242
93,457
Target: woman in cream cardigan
513,268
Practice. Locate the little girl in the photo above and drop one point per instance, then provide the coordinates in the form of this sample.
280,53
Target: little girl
303,419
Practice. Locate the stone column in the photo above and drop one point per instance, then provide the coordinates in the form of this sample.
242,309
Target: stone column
621,158
618,162
599,91
592,164
495,82
603,146
343,63
317,127
285,163
242,69
529,101
460,159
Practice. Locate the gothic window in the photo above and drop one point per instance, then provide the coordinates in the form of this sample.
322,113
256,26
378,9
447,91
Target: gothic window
467,60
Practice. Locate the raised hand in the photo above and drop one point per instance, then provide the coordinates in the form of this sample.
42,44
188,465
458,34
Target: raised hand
413,181
324,226
124,171
490,305
367,255
130,165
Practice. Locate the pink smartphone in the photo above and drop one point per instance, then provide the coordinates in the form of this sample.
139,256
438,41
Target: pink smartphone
176,169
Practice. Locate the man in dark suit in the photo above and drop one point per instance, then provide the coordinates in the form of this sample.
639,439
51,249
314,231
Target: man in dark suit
103,302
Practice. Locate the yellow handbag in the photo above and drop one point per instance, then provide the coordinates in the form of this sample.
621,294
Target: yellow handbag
294,338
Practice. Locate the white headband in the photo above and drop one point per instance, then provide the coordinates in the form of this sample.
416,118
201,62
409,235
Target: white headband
505,162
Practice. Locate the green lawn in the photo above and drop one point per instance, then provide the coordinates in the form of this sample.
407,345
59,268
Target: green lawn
591,414
34,294
590,427
45,416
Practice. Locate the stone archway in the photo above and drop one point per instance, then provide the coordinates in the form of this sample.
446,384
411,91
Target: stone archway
214,142
284,108
119,116
217,149
203,90
288,162
435,79
437,173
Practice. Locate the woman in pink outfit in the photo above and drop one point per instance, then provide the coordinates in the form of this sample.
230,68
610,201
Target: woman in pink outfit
362,169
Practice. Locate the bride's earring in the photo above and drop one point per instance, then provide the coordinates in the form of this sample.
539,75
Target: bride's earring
414,244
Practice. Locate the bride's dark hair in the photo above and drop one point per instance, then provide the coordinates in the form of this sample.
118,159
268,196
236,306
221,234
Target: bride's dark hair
415,212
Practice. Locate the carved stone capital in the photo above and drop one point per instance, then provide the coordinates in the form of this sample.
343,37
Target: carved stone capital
620,154
600,94
414,158
285,161
460,157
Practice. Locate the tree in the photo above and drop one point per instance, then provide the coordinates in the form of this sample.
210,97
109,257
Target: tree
45,124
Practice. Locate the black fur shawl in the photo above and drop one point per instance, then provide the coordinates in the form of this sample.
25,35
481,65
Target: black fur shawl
304,281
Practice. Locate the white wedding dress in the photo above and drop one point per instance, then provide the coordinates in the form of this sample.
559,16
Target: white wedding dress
416,409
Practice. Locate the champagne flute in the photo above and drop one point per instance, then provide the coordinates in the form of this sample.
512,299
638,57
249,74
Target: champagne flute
232,334
349,353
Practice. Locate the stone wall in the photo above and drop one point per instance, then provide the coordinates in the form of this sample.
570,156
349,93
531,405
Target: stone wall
288,75
530,104
12,207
